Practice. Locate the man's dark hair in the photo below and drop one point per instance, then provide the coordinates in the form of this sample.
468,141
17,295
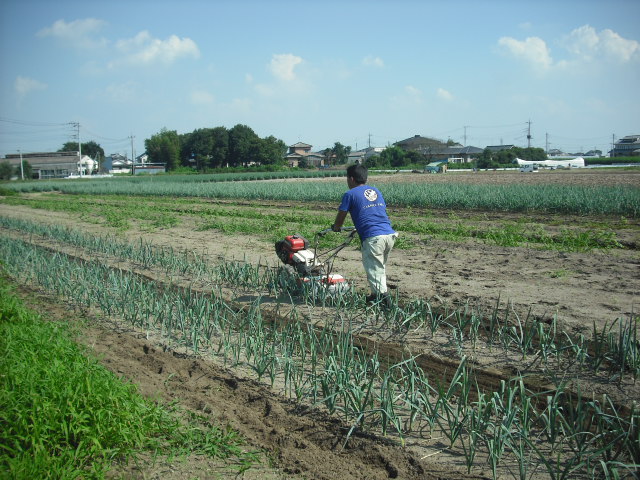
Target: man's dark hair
359,173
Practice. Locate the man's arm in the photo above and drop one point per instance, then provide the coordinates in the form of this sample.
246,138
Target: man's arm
337,225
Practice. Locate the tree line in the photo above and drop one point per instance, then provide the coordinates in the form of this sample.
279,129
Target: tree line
207,149
493,159
396,157
210,148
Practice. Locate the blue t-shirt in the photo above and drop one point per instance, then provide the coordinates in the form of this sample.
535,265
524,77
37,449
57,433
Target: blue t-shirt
368,211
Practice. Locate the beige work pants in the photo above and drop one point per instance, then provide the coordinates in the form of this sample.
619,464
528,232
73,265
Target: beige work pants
375,251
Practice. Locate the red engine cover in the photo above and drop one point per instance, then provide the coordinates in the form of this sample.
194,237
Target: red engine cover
294,243
289,246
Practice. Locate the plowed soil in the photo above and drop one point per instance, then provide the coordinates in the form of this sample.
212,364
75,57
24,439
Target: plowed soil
304,442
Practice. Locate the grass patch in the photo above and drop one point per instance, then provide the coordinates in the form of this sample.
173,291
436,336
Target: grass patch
64,416
560,273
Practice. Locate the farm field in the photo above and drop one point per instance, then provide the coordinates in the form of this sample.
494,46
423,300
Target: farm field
506,290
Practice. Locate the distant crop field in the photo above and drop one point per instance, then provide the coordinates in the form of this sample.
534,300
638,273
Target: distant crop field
492,191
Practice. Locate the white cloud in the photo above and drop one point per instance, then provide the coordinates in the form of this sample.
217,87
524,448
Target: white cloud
241,105
371,61
26,85
588,44
533,50
143,49
79,33
201,97
412,91
264,90
410,98
282,66
444,94
122,92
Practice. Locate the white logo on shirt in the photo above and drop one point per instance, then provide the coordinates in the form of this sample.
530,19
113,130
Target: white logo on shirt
370,195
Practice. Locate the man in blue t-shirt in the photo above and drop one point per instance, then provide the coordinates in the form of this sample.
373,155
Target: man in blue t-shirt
369,214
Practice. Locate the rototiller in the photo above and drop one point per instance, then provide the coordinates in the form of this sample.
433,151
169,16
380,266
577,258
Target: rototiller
308,266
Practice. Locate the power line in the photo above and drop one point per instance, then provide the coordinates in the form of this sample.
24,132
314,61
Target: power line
16,134
496,126
32,123
106,138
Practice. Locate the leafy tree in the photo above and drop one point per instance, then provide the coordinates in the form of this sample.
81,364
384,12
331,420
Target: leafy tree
393,156
27,170
328,156
241,145
489,159
302,163
6,171
217,147
376,161
341,153
164,147
91,148
414,158
198,146
533,154
485,159
185,151
220,147
271,151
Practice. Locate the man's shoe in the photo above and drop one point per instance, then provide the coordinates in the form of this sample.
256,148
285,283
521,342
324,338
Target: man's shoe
384,300
387,302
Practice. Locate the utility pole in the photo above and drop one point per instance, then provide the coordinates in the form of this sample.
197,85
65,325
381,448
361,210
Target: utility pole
21,168
613,145
77,135
133,158
529,134
465,135
77,125
133,153
546,143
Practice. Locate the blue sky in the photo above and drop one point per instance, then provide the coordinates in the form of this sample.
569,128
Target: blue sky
320,72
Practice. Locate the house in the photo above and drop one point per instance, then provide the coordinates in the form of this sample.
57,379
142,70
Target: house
454,154
297,152
499,148
356,158
373,151
554,152
46,165
301,154
628,146
419,143
361,156
116,163
315,159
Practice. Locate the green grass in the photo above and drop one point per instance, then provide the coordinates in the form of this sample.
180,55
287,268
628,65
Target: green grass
64,416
